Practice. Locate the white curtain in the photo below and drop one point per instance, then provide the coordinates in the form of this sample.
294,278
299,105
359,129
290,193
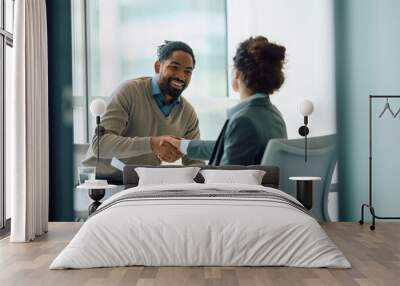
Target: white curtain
29,153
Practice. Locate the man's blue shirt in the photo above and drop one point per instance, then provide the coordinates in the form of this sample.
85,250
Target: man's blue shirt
166,108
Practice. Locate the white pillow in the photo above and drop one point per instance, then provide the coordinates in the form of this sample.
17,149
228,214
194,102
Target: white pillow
165,176
248,177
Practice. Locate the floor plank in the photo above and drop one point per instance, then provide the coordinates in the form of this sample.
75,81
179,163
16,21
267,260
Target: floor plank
374,255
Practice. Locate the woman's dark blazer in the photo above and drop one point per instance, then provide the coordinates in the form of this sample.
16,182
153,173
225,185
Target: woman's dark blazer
242,141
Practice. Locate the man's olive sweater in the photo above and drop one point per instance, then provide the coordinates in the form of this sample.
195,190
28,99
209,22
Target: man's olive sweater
132,117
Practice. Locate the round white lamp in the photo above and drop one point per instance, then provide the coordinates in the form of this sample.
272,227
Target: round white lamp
98,108
306,108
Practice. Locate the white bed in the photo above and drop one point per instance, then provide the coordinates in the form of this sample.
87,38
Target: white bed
185,230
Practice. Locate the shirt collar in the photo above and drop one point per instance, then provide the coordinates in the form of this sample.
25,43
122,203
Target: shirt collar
245,102
155,89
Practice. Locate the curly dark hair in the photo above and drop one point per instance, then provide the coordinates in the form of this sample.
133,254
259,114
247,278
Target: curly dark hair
260,63
165,50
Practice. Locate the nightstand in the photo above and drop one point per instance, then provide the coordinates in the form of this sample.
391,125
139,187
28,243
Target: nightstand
304,190
96,193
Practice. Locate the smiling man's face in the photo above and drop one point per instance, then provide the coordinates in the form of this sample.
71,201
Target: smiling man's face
174,73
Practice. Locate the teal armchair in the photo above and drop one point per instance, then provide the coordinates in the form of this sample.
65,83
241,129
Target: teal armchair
288,155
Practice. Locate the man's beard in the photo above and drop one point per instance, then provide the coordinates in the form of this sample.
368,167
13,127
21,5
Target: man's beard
167,88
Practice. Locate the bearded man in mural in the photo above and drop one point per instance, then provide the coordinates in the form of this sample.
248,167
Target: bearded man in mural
144,112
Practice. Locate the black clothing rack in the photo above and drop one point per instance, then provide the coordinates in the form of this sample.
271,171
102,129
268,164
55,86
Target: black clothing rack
370,205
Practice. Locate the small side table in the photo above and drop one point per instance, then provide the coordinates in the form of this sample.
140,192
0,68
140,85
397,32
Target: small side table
96,193
304,191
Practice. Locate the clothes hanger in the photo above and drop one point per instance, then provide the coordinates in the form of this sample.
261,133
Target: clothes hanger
387,107
398,112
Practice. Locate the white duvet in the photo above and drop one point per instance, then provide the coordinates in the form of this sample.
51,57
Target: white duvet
200,231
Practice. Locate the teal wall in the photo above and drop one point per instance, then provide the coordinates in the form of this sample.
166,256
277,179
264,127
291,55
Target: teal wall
60,110
367,62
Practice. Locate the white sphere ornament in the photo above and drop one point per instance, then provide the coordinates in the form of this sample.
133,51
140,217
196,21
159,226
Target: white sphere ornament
98,107
306,107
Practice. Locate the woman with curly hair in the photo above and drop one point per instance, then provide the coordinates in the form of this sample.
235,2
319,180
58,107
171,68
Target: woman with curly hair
257,73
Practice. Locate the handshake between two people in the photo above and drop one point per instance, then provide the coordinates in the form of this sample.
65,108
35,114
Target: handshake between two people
167,148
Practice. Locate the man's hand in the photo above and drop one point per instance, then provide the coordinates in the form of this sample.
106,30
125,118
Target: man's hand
175,141
164,149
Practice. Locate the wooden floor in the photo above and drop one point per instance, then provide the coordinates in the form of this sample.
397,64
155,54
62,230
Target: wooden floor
374,255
